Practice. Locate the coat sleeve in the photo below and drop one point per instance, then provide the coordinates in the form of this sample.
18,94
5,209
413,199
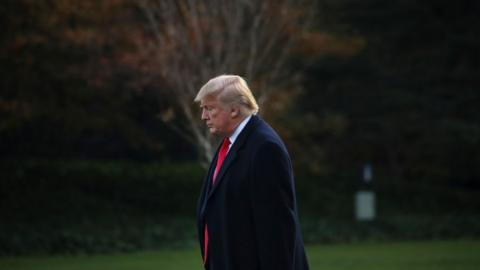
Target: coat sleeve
273,207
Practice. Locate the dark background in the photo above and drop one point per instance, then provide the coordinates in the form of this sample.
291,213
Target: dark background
87,165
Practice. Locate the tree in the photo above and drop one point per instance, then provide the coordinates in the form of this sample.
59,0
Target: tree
408,101
66,81
194,41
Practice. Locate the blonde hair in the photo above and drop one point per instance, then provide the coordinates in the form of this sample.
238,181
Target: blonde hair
230,90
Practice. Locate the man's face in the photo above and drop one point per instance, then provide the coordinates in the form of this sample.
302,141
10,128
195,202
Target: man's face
216,116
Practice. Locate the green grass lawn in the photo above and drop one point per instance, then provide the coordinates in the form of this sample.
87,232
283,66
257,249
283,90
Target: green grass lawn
438,255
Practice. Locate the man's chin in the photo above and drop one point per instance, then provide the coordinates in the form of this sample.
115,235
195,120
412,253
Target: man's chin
214,131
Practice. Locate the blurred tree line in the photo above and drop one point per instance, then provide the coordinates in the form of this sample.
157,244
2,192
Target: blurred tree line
117,78
388,83
407,102
92,100
72,86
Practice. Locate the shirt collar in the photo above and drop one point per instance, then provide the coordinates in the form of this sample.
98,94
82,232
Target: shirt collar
238,130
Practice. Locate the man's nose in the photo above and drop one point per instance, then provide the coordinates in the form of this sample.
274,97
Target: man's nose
204,114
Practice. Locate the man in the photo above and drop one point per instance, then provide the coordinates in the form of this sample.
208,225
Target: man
247,212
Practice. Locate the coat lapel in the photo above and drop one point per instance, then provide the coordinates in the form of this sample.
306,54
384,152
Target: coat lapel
226,163
229,160
207,184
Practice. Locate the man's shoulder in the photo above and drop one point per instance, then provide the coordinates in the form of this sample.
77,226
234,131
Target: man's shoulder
263,134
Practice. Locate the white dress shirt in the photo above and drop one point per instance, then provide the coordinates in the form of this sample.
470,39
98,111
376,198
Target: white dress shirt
237,131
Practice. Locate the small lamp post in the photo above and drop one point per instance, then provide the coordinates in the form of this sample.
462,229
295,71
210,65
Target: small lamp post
365,197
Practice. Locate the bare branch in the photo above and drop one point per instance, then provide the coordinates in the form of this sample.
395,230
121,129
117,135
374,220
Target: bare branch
197,40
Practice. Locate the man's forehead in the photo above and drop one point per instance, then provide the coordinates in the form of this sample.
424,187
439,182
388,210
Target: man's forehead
208,100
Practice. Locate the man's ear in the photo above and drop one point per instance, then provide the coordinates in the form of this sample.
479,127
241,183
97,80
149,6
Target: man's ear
234,112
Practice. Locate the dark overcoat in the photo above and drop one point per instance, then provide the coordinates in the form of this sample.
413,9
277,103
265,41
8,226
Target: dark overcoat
251,209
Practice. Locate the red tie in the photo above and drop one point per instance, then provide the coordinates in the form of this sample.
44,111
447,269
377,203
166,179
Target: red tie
221,157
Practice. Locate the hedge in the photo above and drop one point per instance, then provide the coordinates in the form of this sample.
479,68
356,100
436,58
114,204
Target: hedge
75,206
